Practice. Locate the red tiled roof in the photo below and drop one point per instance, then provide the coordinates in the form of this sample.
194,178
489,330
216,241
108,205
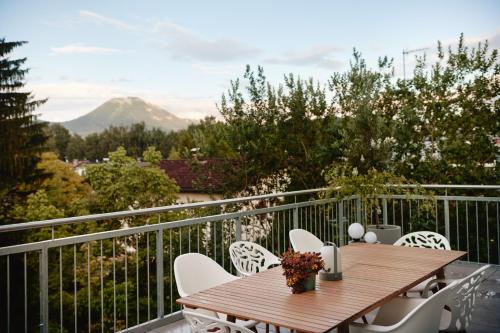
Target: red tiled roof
195,176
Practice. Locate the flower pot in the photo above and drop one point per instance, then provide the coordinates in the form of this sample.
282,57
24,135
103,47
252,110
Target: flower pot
386,233
310,283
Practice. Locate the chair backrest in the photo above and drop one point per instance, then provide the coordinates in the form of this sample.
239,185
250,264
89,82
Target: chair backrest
195,272
425,317
204,324
426,239
304,241
463,301
250,258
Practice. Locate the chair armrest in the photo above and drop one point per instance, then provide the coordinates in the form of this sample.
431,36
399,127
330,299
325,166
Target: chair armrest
433,284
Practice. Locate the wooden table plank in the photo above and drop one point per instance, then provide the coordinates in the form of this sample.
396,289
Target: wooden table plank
373,275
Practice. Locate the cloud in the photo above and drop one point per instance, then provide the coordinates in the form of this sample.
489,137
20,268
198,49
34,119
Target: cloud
118,24
185,44
320,56
82,49
223,69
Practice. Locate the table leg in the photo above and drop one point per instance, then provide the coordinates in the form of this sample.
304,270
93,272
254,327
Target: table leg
440,275
343,328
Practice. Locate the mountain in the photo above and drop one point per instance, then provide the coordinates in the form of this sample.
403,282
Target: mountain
124,112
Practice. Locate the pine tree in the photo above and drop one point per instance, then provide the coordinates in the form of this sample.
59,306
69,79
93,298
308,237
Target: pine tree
21,135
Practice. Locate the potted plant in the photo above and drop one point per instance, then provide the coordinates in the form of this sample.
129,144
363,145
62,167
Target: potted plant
369,189
300,269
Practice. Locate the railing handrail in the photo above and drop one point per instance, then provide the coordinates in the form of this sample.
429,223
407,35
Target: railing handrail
177,207
146,211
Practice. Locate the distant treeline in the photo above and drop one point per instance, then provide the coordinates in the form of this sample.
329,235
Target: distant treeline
136,139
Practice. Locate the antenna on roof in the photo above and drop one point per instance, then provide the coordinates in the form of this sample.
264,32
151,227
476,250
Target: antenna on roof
406,52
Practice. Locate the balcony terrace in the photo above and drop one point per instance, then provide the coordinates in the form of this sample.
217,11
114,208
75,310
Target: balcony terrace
51,271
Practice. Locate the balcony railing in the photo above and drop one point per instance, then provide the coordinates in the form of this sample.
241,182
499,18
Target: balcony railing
115,271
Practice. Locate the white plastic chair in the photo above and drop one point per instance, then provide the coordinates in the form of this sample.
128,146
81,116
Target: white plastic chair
202,324
250,258
461,305
304,241
195,272
423,239
409,315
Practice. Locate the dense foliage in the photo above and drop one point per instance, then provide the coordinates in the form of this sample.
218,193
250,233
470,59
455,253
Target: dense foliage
21,135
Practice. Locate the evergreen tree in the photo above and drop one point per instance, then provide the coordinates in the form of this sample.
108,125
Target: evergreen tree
22,136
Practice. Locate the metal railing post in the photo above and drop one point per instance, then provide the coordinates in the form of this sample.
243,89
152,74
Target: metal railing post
341,222
446,219
238,229
358,210
44,291
159,273
384,210
295,218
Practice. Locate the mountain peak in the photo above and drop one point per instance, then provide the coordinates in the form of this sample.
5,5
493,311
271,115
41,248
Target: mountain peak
125,111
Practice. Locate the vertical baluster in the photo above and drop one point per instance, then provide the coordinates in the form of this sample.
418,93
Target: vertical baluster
44,289
402,224
180,240
477,232
437,217
456,219
384,211
198,238
88,287
126,280
446,204
25,295
102,288
498,235
114,284
207,235
159,272
487,232
147,273
189,238
170,272
467,226
75,302
8,292
409,214
137,276
278,232
60,291
215,240
222,245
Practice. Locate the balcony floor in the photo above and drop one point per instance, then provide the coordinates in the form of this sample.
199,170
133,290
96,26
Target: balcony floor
486,316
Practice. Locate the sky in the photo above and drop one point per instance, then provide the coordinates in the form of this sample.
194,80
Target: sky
182,55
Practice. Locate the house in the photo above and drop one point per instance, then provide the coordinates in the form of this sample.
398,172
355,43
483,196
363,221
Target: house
198,180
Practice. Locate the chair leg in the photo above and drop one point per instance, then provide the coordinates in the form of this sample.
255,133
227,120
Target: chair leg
277,329
267,328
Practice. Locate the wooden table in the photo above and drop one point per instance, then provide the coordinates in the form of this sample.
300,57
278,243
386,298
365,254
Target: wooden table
373,274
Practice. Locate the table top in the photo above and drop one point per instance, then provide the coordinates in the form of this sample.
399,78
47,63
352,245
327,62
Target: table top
373,274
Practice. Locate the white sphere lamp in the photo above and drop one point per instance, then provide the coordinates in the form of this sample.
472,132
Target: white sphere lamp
356,231
370,237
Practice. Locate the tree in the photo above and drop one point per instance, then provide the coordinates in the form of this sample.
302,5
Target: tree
357,96
58,140
123,183
22,137
448,117
62,193
278,132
